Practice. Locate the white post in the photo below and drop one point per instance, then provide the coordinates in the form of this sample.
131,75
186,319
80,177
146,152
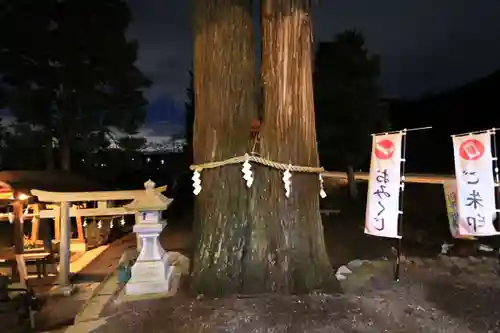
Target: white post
137,217
64,246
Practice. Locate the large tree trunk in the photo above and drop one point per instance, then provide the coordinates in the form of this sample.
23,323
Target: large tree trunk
288,252
351,183
49,153
224,82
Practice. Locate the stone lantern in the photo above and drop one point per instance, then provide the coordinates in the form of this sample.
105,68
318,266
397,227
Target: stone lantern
151,272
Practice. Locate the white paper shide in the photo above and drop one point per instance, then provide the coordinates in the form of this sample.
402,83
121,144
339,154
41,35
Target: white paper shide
382,208
475,184
287,181
247,172
196,182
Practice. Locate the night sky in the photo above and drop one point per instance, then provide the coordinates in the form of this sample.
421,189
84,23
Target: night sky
425,46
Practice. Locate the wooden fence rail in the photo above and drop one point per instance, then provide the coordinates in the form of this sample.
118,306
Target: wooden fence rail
341,177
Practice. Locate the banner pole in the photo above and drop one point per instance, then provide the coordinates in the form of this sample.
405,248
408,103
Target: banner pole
399,244
495,172
497,184
476,132
404,130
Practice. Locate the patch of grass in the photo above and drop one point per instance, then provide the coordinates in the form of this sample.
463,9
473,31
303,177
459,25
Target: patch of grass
362,275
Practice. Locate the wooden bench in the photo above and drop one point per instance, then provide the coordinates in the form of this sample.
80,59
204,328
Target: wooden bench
39,258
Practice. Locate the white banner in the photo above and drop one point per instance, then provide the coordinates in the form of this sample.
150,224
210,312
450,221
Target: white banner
450,195
475,185
382,203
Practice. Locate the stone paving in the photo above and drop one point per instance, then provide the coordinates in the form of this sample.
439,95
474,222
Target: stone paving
60,311
84,316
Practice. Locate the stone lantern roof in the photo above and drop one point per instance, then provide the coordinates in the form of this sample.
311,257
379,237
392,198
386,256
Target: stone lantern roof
150,200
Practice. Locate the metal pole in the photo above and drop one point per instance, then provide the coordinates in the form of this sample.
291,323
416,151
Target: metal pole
399,244
64,245
475,132
495,172
404,130
494,154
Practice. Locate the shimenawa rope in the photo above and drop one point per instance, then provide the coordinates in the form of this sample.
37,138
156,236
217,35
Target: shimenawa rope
256,159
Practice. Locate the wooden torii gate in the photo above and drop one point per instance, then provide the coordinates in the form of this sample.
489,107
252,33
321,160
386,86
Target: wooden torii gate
63,200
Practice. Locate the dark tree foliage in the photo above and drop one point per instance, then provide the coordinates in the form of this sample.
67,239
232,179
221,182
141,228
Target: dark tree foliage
67,67
189,109
347,100
182,189
21,147
3,134
348,107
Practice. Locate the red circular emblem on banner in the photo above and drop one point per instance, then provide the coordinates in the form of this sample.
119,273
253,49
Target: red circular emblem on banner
384,149
471,150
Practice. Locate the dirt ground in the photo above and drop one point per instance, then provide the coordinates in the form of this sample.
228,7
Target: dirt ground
438,295
456,294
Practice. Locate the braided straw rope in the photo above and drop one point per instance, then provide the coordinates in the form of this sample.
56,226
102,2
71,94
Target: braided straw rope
256,159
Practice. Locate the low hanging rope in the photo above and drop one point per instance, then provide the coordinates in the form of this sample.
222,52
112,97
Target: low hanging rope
256,159
247,171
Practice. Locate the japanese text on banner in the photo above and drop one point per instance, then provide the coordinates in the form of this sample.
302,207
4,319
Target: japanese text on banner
475,185
450,195
382,207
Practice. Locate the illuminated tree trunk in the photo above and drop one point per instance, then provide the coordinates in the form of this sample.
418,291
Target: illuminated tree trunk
351,183
65,152
287,253
49,153
224,86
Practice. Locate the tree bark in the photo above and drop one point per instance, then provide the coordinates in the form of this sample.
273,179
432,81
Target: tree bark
49,154
287,253
65,152
224,82
351,183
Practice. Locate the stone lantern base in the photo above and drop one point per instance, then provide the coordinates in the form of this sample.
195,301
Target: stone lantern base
150,277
